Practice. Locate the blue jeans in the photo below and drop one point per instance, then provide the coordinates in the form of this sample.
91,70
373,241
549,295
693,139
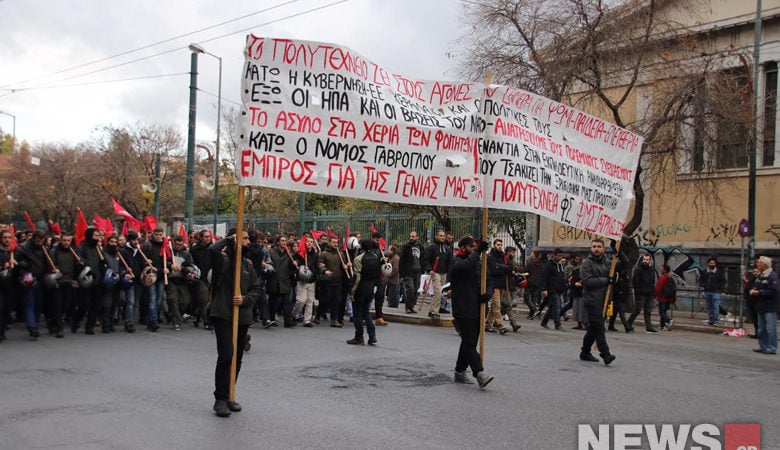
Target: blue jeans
663,307
767,331
33,299
127,299
713,306
155,297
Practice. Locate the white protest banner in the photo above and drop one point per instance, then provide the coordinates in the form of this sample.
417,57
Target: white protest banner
322,118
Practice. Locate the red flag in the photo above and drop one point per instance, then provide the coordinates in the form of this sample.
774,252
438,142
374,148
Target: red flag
81,227
317,234
124,229
104,225
382,241
150,223
30,223
166,248
331,233
14,244
132,222
302,247
346,234
183,233
54,228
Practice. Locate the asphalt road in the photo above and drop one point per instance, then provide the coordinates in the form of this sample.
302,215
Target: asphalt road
305,388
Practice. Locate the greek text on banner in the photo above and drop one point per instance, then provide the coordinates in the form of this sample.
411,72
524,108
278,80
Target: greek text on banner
322,118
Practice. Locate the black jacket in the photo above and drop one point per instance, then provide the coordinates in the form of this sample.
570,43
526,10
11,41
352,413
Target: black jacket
202,259
553,278
133,259
497,269
595,279
768,299
29,257
281,280
644,280
464,277
222,265
410,264
438,255
712,281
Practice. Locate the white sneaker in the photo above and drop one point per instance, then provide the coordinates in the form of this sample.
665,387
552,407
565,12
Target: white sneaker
669,325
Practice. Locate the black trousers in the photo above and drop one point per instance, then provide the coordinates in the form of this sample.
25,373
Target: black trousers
58,300
468,356
379,299
595,331
89,302
331,301
360,309
411,285
223,329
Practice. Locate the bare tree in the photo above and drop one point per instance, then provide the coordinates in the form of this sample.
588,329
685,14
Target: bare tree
598,55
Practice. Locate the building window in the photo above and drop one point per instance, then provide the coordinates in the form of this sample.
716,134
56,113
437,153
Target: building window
770,113
717,129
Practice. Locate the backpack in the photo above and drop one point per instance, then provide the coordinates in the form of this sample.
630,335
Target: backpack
371,268
670,288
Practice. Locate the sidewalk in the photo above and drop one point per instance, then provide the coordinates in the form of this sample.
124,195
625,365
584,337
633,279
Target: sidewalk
682,320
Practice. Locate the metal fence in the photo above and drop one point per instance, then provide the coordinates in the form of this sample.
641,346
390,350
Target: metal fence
394,224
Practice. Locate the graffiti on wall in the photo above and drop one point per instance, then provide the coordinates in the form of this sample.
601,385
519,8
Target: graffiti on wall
643,237
774,231
684,267
724,231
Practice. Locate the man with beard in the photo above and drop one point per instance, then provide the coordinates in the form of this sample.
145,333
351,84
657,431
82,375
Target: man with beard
280,283
409,268
595,279
63,296
199,289
177,291
130,297
331,271
90,297
305,293
153,250
221,314
32,263
643,281
110,291
437,263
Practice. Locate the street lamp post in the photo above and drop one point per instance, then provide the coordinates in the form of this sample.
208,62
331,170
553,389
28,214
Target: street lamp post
13,144
190,176
198,49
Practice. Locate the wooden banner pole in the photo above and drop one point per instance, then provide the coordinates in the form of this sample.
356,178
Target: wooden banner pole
237,288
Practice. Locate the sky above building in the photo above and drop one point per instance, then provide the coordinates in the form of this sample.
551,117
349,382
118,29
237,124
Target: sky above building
69,67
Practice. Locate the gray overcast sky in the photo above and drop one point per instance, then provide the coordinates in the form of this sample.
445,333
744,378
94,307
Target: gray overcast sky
409,37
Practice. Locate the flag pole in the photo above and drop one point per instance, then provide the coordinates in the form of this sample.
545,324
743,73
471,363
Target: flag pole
483,275
237,289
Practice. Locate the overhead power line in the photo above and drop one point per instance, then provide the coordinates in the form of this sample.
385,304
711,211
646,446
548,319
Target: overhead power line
127,52
308,11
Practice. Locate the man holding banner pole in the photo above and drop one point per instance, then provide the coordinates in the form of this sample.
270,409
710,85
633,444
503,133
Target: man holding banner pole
227,299
597,277
468,306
